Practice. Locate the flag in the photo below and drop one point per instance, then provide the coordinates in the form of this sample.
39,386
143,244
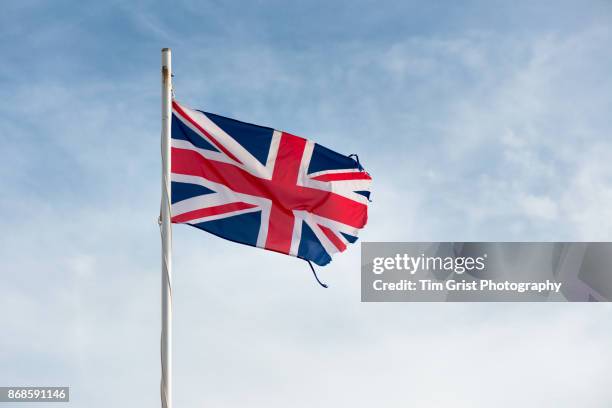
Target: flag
263,187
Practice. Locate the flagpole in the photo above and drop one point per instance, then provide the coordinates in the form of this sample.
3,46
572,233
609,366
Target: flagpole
166,234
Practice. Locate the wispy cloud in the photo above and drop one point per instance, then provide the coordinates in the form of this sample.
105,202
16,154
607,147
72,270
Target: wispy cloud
473,127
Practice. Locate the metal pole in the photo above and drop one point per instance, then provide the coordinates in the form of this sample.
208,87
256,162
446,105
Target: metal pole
166,234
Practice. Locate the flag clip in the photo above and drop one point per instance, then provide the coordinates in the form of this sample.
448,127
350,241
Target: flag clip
357,160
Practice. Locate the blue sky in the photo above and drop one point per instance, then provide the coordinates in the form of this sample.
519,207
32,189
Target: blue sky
478,121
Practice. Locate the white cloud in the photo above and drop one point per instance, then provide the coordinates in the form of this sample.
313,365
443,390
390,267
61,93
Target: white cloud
538,207
468,136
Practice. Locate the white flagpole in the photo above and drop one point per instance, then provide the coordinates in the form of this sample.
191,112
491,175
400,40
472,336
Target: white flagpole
166,234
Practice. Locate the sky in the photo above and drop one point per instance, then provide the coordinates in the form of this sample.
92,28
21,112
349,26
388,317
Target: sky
478,121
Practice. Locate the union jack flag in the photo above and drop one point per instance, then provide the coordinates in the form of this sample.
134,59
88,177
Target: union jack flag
264,187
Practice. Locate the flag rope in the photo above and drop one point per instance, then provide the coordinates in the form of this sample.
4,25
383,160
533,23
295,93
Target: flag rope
315,274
